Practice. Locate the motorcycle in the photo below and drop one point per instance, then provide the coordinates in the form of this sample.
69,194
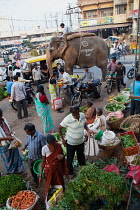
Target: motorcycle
84,91
30,94
130,73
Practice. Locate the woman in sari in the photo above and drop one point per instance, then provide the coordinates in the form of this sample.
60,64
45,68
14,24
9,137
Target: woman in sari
53,88
90,114
53,163
99,123
43,110
10,157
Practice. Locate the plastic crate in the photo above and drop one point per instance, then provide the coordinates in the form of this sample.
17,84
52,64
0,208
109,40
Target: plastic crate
131,150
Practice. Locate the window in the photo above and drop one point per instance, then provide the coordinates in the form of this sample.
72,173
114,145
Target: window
90,14
121,9
106,12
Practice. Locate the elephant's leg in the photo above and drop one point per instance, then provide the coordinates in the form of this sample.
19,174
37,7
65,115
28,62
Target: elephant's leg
69,64
69,69
103,73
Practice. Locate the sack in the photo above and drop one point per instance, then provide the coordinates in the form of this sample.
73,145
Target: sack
108,137
15,143
57,103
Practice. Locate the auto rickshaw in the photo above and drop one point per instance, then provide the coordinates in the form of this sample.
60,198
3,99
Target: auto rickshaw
28,65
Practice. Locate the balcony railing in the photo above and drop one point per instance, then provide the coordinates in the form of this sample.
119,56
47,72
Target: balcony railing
89,2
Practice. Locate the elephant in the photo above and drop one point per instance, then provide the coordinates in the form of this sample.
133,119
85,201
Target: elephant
87,49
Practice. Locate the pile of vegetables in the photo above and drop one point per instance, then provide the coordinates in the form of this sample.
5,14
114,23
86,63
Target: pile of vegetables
23,200
1,93
91,184
126,89
112,118
121,99
10,185
101,163
113,107
128,141
136,160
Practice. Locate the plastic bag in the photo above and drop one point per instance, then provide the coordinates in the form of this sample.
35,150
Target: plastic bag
15,143
112,168
130,174
91,147
55,198
57,103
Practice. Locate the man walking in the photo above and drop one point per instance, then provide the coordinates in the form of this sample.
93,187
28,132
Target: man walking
120,73
35,141
36,72
18,94
75,124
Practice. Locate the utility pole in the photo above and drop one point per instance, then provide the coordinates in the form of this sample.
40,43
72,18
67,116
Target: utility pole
12,23
51,20
56,21
73,10
46,21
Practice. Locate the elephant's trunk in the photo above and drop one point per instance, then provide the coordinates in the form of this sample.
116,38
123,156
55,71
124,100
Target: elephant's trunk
49,62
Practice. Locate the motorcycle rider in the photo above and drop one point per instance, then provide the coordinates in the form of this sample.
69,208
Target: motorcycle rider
112,66
88,77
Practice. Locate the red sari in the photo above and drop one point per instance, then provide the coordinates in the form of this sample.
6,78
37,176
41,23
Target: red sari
55,168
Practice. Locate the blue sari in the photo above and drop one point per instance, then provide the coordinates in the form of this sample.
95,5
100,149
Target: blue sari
11,159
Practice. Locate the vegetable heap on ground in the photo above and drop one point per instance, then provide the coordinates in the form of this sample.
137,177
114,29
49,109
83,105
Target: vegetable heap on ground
10,185
91,184
1,92
121,99
23,200
128,141
113,107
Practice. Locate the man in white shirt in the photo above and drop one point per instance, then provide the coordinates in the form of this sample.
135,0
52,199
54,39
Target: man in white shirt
67,80
18,94
75,124
36,72
66,28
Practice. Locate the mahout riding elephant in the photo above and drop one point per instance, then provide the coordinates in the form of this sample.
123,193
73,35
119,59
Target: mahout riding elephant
78,49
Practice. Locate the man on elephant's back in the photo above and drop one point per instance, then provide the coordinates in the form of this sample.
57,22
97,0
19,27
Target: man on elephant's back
89,78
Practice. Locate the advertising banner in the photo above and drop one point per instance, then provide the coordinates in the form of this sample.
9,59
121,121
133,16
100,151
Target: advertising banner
89,22
105,20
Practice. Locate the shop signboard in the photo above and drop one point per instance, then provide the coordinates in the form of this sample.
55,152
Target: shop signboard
105,20
89,22
121,18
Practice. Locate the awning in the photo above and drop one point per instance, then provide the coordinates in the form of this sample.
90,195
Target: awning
104,26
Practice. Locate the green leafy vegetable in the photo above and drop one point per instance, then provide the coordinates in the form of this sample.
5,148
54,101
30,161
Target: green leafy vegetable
10,185
113,107
121,98
128,141
91,184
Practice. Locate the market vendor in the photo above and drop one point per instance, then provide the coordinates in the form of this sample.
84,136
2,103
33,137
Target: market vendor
90,114
54,163
10,157
99,122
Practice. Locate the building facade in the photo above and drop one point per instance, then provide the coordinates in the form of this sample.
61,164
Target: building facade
108,17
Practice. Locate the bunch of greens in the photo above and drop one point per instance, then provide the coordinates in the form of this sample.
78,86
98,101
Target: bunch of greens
101,163
126,89
136,160
113,107
10,185
121,98
127,125
57,136
128,141
91,184
1,93
113,118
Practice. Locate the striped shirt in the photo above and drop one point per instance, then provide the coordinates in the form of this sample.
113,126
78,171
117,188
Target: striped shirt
35,144
75,129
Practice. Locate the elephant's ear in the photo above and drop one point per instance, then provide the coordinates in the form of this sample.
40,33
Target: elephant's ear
62,46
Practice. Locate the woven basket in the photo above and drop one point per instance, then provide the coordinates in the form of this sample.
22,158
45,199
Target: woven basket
133,120
115,124
121,102
108,147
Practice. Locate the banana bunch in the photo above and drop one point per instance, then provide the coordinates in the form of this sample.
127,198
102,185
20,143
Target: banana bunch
111,98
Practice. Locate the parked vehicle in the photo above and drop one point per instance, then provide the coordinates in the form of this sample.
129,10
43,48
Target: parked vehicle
83,91
110,83
130,73
28,65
